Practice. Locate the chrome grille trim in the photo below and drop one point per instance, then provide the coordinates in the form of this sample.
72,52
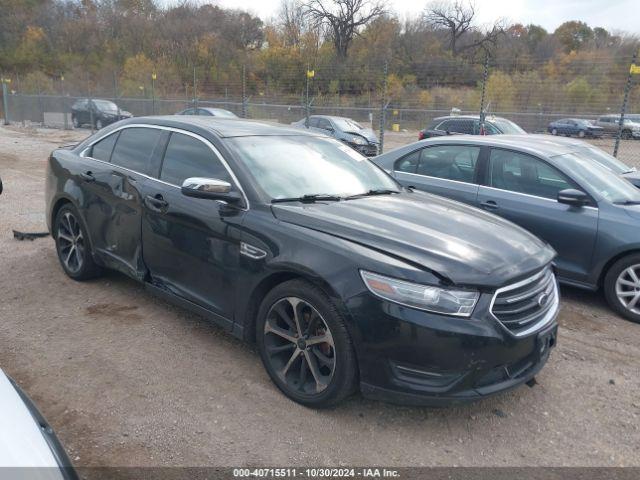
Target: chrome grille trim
543,281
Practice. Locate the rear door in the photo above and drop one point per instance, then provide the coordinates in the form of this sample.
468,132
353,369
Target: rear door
191,245
114,208
524,189
447,170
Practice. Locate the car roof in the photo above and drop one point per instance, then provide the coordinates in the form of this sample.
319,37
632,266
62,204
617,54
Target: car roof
222,127
488,118
541,145
332,117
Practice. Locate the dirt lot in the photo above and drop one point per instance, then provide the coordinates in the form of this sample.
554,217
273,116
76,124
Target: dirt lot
127,380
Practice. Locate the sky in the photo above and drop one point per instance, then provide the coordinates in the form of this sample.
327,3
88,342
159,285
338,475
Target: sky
614,15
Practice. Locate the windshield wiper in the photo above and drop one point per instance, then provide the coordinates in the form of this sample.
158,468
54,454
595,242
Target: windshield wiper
370,193
309,198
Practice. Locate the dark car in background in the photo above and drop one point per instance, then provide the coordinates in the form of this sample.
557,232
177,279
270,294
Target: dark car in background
469,125
100,112
610,126
288,238
347,130
575,127
208,112
557,190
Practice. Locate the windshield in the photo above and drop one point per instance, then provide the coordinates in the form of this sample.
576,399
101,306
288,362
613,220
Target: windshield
105,105
293,166
603,181
219,112
609,161
507,126
346,124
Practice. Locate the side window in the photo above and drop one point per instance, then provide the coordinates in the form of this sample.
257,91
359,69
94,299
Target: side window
451,162
444,126
135,147
523,173
313,122
324,124
491,129
461,126
187,157
206,113
408,163
102,149
188,112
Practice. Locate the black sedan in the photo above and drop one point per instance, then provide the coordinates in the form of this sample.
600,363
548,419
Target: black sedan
292,240
575,127
100,113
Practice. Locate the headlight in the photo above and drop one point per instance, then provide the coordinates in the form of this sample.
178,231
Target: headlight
424,297
358,140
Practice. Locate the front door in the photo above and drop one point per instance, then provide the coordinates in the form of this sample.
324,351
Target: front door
190,245
524,189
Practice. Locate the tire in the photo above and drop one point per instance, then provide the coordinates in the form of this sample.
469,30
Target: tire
73,246
317,375
99,124
74,121
618,288
582,134
626,134
554,131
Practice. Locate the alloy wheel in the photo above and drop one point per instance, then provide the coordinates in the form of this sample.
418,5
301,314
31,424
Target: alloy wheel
628,288
299,346
554,132
71,245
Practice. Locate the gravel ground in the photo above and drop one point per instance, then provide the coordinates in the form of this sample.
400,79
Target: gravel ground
128,380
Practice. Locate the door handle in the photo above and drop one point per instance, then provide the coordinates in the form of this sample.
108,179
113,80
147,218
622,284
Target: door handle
88,176
489,205
157,203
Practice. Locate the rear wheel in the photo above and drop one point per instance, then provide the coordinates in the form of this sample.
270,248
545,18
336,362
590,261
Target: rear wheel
581,134
99,124
554,131
622,287
72,245
76,123
626,134
305,346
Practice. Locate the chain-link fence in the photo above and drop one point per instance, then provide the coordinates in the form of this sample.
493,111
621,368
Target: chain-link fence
592,87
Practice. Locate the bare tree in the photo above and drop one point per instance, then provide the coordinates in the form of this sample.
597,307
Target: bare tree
343,19
456,17
291,20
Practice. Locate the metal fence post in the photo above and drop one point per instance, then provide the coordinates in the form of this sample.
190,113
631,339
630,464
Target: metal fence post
64,104
244,91
5,99
115,93
625,100
195,91
153,93
383,106
90,104
484,88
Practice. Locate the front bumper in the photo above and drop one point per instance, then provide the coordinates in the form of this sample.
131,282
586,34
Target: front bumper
419,358
369,150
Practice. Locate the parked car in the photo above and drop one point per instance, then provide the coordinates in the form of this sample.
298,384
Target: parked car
102,112
469,125
575,126
27,442
208,112
610,125
557,191
288,238
364,140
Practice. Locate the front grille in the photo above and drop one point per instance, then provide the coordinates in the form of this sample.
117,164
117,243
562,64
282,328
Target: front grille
524,306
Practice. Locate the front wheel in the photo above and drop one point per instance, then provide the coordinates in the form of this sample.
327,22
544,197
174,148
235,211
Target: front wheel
554,131
72,245
622,287
581,134
99,124
305,346
76,123
626,134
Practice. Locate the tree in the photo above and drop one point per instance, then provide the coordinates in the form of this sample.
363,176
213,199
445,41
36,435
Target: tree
574,35
291,21
343,19
456,18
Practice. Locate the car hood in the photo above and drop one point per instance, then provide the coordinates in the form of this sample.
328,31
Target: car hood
21,441
464,244
366,133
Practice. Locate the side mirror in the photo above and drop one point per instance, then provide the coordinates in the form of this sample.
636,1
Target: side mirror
210,188
575,198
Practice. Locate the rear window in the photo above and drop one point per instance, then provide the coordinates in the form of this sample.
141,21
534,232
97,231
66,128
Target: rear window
134,148
102,149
